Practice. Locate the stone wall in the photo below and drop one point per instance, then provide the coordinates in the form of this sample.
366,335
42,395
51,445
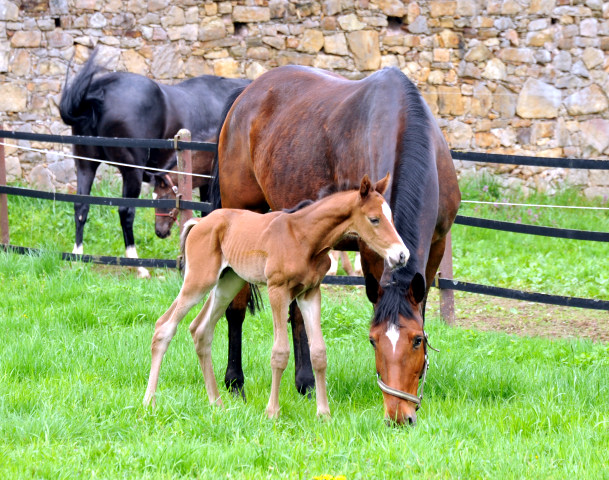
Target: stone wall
510,76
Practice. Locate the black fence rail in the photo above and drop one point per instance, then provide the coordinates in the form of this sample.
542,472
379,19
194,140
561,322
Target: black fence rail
442,283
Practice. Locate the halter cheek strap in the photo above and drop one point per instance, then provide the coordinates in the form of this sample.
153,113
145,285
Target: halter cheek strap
173,213
409,397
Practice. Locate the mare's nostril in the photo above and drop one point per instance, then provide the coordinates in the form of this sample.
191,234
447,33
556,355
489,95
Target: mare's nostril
402,258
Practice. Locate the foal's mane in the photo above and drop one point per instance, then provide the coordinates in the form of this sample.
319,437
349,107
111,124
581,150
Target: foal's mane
416,159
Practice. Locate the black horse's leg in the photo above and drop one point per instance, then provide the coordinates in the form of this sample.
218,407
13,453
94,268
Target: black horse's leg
304,378
85,174
235,314
132,185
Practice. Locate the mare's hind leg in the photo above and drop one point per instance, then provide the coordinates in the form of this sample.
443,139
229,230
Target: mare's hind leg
132,185
235,315
193,290
310,306
85,174
203,326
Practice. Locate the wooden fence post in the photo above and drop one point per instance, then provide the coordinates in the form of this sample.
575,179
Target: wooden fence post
184,181
3,199
447,297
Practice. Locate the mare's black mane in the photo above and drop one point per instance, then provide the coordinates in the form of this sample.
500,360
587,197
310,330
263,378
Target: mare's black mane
407,200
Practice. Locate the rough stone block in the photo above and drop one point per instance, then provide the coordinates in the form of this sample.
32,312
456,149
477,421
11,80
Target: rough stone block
336,44
251,14
312,41
587,101
26,39
13,98
365,47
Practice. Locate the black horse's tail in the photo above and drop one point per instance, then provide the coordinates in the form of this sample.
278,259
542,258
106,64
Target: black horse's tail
214,186
79,106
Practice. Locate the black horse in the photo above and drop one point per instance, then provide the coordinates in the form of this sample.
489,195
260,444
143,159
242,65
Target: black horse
128,105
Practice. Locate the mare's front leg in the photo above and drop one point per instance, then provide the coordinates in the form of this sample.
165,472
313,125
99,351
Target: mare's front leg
303,372
132,185
310,306
279,299
203,326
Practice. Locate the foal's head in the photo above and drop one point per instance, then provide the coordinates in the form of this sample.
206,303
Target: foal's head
164,189
373,222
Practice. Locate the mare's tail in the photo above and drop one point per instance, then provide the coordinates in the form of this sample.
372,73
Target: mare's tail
214,186
79,106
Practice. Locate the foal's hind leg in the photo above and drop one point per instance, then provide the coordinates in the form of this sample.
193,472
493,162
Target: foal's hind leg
203,326
192,292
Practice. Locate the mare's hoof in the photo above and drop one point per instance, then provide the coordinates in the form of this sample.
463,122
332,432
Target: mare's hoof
236,389
305,386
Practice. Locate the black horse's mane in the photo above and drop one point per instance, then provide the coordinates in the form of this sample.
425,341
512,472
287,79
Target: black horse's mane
407,200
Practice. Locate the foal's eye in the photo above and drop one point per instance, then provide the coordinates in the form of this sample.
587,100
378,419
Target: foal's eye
372,342
375,220
416,343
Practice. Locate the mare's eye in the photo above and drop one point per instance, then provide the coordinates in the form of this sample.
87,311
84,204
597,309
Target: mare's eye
372,342
416,343
375,220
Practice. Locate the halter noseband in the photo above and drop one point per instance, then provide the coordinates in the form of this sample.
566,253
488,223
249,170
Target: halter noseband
409,397
173,213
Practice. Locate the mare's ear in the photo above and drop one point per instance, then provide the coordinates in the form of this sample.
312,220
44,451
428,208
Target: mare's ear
364,188
382,184
373,289
417,288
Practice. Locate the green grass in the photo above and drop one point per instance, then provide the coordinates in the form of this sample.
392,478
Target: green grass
75,353
75,359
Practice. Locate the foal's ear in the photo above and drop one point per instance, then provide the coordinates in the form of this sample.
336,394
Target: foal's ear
382,184
364,188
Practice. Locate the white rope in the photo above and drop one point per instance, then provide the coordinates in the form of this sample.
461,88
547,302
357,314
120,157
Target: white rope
117,164
507,204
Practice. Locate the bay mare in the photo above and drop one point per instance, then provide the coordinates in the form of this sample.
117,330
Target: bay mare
128,105
286,251
296,131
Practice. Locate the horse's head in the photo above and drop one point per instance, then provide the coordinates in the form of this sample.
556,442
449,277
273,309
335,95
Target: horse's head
400,349
373,222
164,189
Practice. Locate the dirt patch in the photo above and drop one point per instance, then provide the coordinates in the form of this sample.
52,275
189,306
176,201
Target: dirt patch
488,313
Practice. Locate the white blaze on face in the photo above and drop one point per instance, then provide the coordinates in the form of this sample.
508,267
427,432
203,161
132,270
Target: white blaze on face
387,211
393,334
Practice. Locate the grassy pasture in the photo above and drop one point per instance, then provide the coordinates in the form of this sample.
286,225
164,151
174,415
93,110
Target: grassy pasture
75,358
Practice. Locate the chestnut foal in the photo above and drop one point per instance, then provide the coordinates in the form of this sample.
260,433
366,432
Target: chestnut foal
288,252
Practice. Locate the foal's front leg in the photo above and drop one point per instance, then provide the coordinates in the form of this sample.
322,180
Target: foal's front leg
310,307
279,299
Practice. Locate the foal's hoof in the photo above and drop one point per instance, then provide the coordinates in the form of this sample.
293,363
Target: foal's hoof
272,413
324,416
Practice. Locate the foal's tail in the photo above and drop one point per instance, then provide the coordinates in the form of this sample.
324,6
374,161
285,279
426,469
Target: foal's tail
187,228
214,186
77,105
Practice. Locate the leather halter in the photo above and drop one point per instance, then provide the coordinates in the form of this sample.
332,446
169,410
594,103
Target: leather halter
409,397
173,213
